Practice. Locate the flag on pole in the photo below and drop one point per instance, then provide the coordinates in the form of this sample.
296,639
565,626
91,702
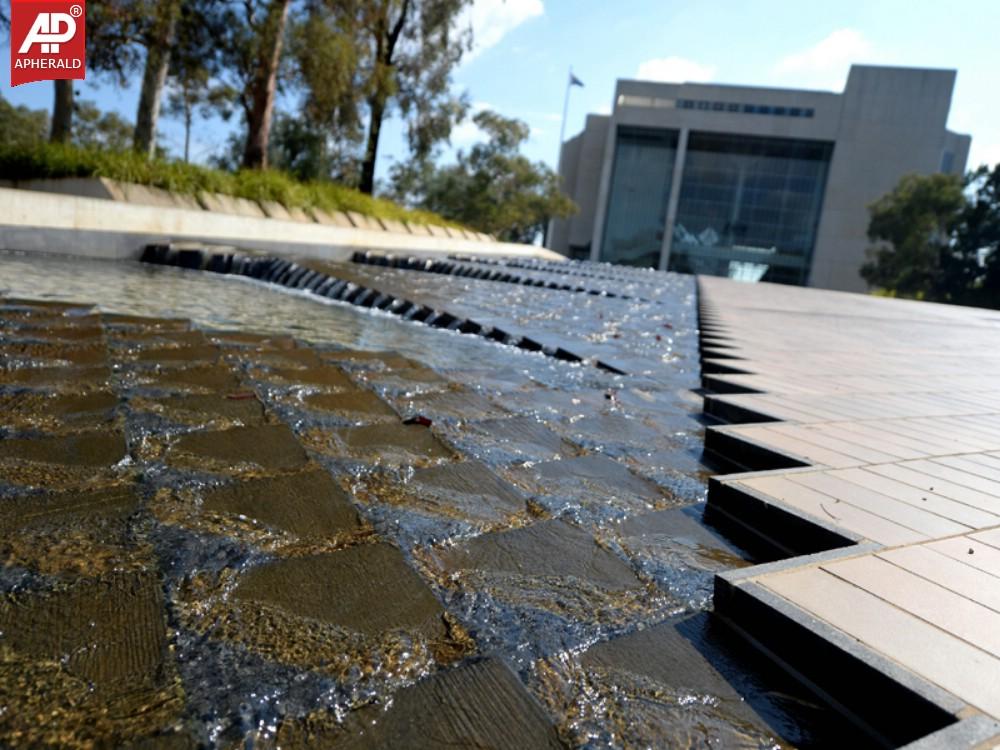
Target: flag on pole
574,81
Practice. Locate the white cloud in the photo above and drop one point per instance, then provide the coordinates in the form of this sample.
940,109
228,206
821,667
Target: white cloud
492,20
983,153
466,132
675,70
826,62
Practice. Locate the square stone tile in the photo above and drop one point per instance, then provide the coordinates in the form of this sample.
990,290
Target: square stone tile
547,548
307,503
266,447
368,589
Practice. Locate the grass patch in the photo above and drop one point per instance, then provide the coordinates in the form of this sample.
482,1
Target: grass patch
45,161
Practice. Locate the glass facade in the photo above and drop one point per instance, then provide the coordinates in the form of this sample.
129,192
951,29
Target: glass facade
749,207
638,195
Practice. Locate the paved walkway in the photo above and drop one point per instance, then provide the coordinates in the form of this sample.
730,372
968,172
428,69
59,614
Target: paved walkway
876,421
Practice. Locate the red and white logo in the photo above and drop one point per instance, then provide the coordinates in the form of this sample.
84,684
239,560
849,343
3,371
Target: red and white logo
48,40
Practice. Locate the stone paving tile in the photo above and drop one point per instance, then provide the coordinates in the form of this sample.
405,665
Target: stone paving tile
83,532
381,444
340,588
547,548
510,440
357,405
34,377
307,503
179,354
53,352
266,447
328,376
91,449
465,490
206,377
456,404
477,705
592,481
241,407
92,663
68,409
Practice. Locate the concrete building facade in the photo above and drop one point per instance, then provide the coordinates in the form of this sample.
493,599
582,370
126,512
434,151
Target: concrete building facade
752,183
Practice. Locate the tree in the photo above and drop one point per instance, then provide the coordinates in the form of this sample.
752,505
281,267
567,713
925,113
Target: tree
157,36
252,40
413,47
937,242
194,88
110,51
100,130
494,188
21,127
912,227
973,267
324,137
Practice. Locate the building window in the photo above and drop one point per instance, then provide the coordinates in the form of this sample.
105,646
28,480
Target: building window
947,162
637,199
747,202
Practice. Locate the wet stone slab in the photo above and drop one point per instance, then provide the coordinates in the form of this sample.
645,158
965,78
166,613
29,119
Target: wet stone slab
594,485
368,589
381,444
180,354
674,548
328,376
90,449
466,491
93,664
265,447
476,705
77,531
52,353
546,548
451,405
210,377
241,407
508,441
55,376
307,503
68,409
356,405
683,679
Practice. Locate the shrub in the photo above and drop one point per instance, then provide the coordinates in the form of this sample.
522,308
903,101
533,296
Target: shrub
52,161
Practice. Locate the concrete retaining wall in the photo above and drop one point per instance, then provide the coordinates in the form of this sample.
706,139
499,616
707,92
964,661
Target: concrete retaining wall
108,226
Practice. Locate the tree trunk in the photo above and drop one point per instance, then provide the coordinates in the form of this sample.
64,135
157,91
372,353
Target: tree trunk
62,113
371,150
188,116
155,75
263,85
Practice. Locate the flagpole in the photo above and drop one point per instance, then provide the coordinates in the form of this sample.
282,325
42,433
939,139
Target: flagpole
547,234
562,127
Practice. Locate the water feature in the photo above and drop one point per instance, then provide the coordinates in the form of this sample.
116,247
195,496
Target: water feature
555,514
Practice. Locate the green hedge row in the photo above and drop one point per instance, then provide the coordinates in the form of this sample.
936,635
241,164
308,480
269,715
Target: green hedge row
52,161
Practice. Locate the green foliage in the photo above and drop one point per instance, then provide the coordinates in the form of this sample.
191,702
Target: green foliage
51,161
937,242
912,227
95,129
20,126
493,188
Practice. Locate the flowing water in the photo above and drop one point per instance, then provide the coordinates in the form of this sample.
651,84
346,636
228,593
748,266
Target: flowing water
554,510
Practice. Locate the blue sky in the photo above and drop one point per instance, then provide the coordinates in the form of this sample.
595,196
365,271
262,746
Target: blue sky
525,48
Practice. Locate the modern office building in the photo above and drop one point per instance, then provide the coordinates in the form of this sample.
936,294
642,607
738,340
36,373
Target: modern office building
752,183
